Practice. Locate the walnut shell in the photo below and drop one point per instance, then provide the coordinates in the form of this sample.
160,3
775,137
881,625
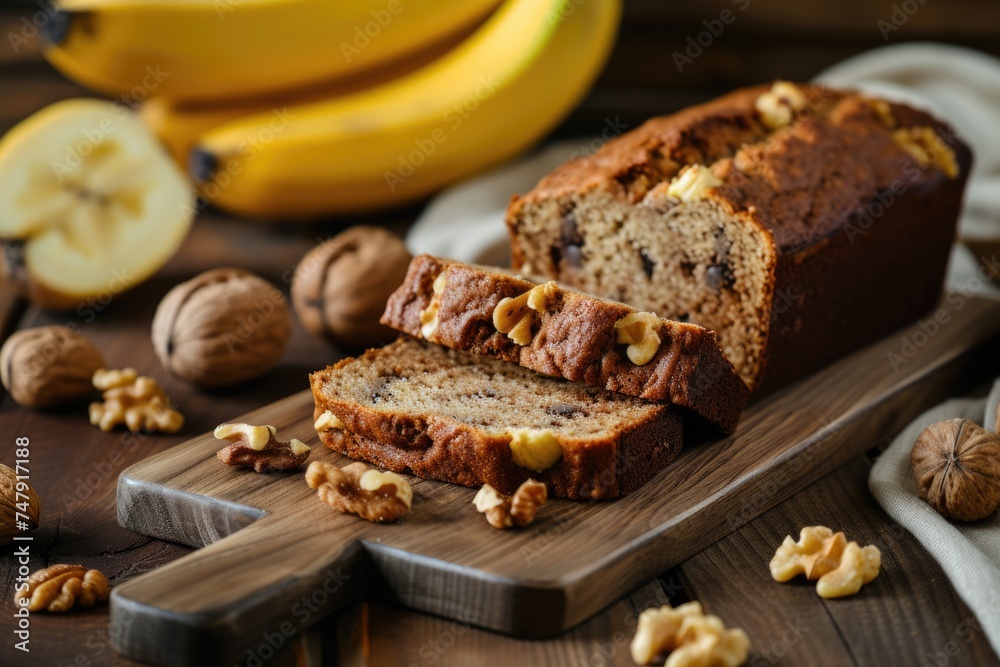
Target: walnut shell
222,327
9,506
48,366
957,467
340,287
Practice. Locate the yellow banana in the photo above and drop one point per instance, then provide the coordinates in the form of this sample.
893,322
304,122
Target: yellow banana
482,103
212,49
178,124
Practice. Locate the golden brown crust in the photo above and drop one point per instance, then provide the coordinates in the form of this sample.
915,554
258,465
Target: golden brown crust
433,446
574,339
788,176
655,151
859,228
451,452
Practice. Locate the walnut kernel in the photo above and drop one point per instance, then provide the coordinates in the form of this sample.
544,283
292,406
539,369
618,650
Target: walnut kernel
535,449
640,331
518,510
258,447
58,587
883,110
328,422
858,566
430,316
373,480
778,106
841,567
692,183
136,401
512,315
383,498
692,638
927,148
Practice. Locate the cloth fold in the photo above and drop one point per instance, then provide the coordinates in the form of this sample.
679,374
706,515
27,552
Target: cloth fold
968,553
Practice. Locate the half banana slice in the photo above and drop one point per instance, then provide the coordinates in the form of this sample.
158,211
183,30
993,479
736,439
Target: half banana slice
91,205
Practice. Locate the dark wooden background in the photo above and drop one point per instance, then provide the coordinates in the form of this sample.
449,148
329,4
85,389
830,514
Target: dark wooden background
909,616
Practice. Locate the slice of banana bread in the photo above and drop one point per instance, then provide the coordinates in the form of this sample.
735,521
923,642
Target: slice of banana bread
564,333
797,221
416,407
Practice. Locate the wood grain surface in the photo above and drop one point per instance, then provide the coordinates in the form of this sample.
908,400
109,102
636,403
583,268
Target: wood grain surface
75,467
788,624
578,558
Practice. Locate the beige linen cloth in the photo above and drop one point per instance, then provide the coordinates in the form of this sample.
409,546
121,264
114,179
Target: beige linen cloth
963,86
968,553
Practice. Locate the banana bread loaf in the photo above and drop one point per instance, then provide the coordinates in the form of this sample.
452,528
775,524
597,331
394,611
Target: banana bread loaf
415,407
564,333
796,221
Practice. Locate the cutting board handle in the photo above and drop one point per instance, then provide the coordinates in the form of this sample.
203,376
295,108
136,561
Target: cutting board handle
239,598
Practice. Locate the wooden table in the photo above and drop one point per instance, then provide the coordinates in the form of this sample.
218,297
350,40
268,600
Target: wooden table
909,615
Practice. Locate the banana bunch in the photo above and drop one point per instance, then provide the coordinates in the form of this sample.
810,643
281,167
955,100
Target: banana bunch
290,109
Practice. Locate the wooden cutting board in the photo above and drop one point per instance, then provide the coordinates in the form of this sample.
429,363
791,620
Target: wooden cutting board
275,559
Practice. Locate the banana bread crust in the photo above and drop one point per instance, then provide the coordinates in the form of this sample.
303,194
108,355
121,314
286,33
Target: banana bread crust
434,446
574,339
859,231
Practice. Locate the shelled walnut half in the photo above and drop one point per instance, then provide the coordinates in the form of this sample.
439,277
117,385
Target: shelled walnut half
518,510
373,495
692,638
841,567
515,316
258,447
640,331
779,106
58,588
134,400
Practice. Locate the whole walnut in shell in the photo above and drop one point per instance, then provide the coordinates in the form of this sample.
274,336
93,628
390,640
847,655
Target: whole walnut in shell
11,503
48,366
221,328
340,287
957,467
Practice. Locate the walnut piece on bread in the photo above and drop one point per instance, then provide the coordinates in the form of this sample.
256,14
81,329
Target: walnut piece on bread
373,495
778,106
641,332
328,421
429,316
514,316
927,148
535,449
692,183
